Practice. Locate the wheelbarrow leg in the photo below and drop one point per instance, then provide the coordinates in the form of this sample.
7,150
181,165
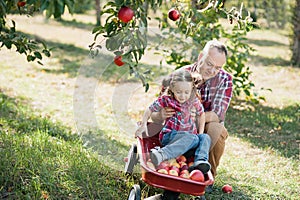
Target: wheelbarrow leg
170,195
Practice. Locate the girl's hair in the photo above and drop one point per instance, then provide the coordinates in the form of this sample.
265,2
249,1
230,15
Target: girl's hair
178,75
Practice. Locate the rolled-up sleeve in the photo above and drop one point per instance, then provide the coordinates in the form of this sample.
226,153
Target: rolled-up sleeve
158,104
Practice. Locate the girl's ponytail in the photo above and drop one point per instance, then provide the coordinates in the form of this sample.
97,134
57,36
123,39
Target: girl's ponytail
165,86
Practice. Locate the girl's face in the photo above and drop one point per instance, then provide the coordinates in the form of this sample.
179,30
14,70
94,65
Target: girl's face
182,91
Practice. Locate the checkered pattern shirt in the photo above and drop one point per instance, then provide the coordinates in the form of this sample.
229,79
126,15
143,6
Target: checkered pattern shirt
182,119
216,92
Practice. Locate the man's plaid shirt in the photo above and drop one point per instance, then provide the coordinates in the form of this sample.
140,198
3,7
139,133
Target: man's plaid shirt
216,92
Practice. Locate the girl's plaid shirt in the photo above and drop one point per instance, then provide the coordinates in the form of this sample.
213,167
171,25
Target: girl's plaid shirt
182,119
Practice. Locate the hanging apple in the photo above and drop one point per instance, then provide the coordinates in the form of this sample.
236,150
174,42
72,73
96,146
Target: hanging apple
118,61
21,3
174,14
125,14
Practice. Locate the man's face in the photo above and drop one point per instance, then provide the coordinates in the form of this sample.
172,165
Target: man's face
210,65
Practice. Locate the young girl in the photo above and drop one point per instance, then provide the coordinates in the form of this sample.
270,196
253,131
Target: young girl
179,133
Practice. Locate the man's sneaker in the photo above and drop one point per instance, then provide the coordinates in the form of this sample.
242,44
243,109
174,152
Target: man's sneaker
202,165
209,189
156,156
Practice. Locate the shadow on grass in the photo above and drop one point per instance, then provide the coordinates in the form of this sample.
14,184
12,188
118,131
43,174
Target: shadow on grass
265,61
76,24
266,43
16,115
267,127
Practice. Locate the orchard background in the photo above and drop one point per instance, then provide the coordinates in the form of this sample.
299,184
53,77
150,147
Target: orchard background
67,123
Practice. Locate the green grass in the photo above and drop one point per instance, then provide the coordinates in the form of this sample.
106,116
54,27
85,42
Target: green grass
267,127
43,157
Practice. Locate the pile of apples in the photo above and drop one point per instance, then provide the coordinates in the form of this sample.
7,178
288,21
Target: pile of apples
178,167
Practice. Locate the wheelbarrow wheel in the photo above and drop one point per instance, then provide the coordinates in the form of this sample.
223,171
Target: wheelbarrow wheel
135,193
131,160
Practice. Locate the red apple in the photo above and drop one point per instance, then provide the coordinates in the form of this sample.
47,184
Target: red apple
125,14
227,189
197,175
118,61
184,175
163,165
174,168
21,3
150,165
173,172
181,158
163,171
185,172
176,164
184,167
190,164
173,14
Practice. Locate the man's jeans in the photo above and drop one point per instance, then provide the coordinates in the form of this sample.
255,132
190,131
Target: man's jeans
177,143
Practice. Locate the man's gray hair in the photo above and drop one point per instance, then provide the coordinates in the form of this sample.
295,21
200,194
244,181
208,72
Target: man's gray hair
215,44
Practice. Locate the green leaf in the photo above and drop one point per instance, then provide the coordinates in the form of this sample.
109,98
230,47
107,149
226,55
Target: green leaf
38,55
46,52
30,58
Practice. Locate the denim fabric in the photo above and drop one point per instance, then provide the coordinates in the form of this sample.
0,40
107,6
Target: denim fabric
177,143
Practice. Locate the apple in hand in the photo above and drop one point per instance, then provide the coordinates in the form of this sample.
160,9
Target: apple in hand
125,14
173,14
118,61
197,175
227,189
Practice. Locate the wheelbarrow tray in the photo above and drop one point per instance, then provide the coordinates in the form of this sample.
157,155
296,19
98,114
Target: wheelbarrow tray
165,181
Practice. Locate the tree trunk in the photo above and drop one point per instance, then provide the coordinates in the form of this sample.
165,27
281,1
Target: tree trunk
296,35
98,10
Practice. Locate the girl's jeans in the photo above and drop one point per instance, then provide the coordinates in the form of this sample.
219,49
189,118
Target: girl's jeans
177,143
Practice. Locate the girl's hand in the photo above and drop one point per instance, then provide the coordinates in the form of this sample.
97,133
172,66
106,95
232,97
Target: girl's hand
167,112
142,128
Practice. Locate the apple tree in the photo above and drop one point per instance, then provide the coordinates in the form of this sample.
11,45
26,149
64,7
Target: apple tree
11,38
186,25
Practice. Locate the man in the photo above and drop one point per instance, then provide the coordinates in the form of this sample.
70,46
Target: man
214,86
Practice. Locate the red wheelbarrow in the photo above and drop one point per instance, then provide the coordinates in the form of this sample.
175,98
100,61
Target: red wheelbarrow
139,153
